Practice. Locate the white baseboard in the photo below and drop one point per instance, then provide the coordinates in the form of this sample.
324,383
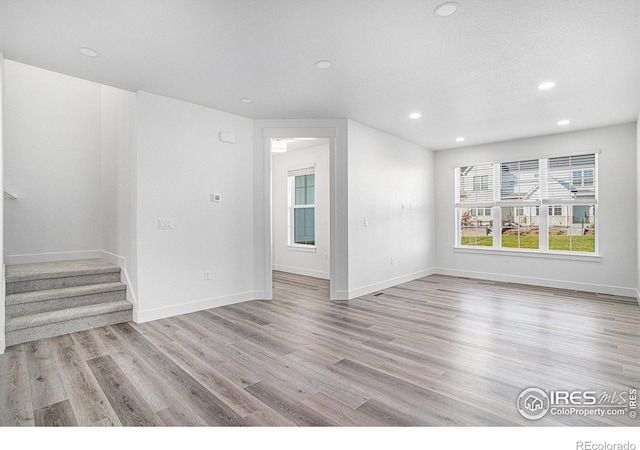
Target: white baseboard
364,290
124,275
186,308
560,284
50,257
2,346
306,272
112,258
638,296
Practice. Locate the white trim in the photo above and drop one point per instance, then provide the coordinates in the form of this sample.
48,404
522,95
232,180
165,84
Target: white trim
50,257
198,305
301,248
113,258
124,277
305,272
364,290
560,284
531,253
638,296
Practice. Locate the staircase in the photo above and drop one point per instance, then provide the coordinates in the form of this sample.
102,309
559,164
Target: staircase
55,298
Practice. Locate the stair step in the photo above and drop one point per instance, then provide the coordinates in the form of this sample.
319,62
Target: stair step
35,302
57,275
70,320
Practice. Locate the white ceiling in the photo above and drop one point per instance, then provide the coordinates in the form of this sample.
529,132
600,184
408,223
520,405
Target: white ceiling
474,74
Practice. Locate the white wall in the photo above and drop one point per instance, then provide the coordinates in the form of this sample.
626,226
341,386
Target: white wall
180,162
638,207
118,182
2,295
614,273
391,186
52,164
290,259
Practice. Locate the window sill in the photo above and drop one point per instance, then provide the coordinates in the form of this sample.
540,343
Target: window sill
302,248
576,256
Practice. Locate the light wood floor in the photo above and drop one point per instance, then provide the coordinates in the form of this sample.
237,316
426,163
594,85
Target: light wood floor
439,351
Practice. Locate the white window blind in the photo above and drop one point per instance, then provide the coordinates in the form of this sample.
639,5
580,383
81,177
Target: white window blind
572,179
520,182
475,185
308,169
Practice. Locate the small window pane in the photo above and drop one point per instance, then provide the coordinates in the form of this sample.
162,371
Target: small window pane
519,228
304,226
305,189
573,231
476,229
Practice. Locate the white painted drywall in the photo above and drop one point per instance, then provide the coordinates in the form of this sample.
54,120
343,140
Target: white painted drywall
638,207
180,162
391,186
52,163
118,181
616,272
2,290
286,258
336,130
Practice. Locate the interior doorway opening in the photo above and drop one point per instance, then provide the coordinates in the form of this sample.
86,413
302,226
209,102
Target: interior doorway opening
300,206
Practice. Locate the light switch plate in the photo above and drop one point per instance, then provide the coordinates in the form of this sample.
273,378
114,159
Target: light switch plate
165,224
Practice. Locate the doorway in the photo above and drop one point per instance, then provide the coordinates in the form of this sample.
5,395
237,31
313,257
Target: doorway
300,206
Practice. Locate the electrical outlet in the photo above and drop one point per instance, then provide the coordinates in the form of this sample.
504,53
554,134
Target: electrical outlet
366,222
207,275
393,260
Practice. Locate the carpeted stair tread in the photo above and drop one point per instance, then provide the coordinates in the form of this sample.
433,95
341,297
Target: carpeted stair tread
47,318
46,270
70,292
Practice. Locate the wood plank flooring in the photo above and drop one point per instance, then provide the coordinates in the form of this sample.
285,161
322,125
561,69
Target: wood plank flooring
438,351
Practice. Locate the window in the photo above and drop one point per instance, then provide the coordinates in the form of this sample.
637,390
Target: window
555,210
546,204
480,182
476,226
302,206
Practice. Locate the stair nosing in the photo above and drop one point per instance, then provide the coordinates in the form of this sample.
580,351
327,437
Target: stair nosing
60,293
45,318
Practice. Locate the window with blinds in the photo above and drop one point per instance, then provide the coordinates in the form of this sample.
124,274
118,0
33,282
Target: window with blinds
475,184
545,204
572,179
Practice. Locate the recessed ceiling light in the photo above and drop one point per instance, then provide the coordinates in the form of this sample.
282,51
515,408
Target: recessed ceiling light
278,146
564,122
323,64
459,139
245,100
86,51
446,9
415,115
546,85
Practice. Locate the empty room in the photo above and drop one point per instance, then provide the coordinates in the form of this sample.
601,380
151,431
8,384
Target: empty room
344,214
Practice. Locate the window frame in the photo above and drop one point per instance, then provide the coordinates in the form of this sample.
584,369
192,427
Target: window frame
542,207
292,174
